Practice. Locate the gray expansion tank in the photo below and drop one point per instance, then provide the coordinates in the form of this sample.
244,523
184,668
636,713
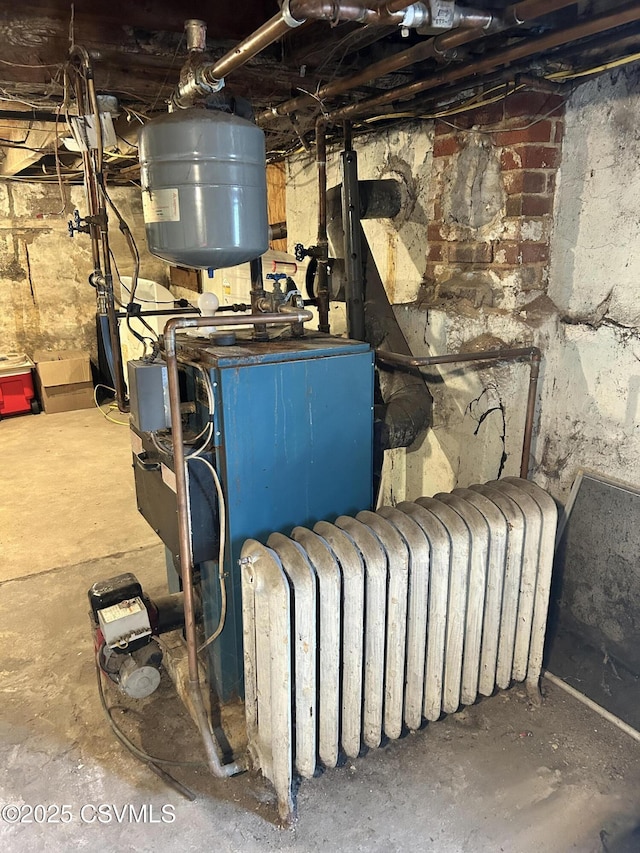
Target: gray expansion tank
204,188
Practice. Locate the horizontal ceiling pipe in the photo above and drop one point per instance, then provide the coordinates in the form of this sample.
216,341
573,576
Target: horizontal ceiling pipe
203,78
199,78
438,47
521,51
360,11
520,13
364,12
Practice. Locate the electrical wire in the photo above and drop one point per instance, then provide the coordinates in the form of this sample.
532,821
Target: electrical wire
211,403
58,65
598,69
222,511
140,754
58,167
150,301
222,519
135,255
112,406
169,70
208,428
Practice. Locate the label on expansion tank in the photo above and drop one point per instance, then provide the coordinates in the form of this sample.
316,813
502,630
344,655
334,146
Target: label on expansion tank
160,205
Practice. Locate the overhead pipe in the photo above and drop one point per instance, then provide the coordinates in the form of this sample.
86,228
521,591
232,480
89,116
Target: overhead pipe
520,51
199,78
508,354
216,767
358,11
439,47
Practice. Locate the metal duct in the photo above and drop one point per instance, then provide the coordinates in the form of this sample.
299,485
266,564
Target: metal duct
407,405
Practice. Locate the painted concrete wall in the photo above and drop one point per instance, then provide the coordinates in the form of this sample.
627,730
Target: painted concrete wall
584,312
590,403
45,299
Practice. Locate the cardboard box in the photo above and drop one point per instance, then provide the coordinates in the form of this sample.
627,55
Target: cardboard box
63,380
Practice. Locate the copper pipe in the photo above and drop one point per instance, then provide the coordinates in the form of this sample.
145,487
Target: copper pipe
322,290
183,511
201,77
435,48
419,52
508,354
98,222
360,11
490,63
519,13
264,36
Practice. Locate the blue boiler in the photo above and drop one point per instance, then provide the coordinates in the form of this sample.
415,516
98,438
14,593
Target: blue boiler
292,445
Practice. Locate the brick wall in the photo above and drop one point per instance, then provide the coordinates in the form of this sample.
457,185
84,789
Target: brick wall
491,198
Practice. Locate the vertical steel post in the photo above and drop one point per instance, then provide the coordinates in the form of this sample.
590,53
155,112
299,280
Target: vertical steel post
354,270
322,290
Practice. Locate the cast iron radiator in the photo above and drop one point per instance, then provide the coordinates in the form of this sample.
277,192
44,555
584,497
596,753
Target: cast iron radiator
358,630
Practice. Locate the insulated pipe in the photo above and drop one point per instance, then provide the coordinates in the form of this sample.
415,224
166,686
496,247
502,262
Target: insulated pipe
508,354
434,48
182,502
521,51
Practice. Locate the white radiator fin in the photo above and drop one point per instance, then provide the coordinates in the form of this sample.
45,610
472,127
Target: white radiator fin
358,629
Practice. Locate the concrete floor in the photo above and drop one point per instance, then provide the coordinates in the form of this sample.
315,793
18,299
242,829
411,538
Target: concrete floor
500,776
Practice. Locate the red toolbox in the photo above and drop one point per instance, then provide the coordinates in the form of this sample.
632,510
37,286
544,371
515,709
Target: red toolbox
16,385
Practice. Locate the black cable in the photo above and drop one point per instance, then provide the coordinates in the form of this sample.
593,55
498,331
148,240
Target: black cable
143,339
140,754
126,231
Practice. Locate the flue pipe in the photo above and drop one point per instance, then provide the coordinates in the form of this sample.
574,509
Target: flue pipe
520,51
182,501
435,48
508,354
